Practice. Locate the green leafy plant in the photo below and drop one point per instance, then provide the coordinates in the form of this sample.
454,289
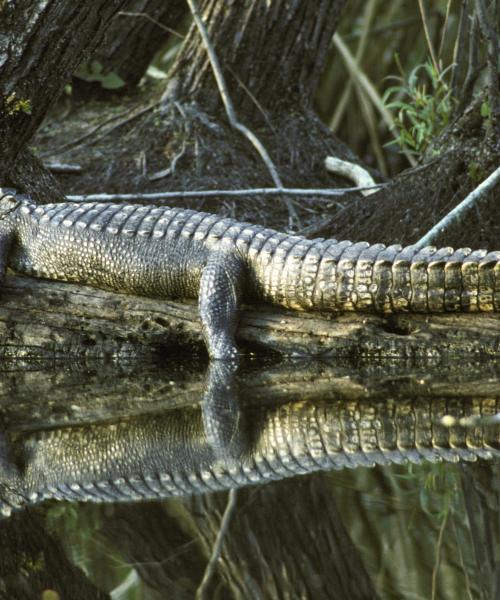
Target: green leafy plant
15,105
93,71
424,106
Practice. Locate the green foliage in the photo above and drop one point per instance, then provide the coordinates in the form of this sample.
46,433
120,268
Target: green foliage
15,105
476,173
93,71
424,104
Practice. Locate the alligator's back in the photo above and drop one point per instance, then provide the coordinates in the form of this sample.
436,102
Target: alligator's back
154,251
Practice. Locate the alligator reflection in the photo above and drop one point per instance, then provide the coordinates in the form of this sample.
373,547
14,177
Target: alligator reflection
229,443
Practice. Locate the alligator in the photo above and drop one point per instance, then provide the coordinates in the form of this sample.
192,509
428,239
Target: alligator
172,454
177,253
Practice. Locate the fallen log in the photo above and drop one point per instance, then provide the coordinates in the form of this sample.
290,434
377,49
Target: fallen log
39,319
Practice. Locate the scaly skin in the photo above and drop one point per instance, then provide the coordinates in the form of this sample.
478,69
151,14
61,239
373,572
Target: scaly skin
171,252
174,454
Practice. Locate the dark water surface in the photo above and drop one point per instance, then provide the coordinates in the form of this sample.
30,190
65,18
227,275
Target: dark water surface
313,479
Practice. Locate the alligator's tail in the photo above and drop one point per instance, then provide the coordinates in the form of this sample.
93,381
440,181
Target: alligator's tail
343,276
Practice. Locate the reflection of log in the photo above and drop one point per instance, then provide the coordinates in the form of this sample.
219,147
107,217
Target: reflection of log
116,391
51,317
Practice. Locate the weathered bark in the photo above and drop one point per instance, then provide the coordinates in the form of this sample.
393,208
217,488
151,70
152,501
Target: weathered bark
132,40
39,317
272,54
188,137
41,44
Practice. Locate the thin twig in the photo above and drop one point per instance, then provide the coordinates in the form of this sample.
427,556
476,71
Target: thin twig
397,24
457,212
217,547
473,67
459,50
439,545
427,35
367,19
126,121
171,169
252,98
352,171
229,107
211,193
57,167
445,26
226,99
144,15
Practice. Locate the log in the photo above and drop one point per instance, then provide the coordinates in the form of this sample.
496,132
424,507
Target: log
40,319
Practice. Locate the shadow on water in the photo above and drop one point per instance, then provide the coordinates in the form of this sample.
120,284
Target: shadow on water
143,457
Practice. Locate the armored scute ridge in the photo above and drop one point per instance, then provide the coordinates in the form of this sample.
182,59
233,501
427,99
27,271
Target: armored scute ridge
170,252
166,455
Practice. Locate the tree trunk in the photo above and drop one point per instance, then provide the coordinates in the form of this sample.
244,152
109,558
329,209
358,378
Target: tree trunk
271,54
415,200
41,45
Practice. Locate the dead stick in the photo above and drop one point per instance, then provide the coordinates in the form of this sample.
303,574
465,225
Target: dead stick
217,547
328,192
457,212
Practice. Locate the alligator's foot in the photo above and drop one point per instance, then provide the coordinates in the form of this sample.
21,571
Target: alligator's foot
220,291
8,467
222,417
221,347
9,475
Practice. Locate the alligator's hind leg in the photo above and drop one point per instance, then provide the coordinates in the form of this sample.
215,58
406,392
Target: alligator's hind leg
6,238
220,293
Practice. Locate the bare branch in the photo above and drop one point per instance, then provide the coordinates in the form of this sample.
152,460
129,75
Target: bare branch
210,193
459,50
457,212
364,82
57,167
144,15
353,172
125,118
217,547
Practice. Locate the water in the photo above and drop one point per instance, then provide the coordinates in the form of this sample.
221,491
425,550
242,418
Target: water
274,461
